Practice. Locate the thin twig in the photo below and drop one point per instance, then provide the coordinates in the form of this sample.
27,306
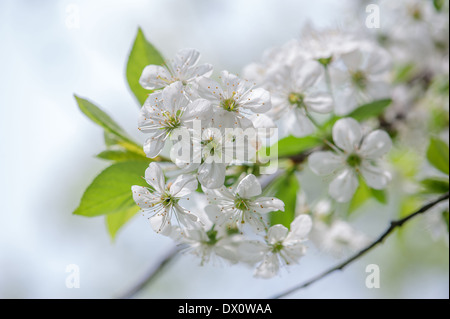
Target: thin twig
394,224
152,274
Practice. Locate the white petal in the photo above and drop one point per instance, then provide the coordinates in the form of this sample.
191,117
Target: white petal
154,145
210,90
184,59
343,187
200,109
154,77
212,175
143,198
263,205
307,74
277,233
374,176
375,144
300,228
215,215
325,163
155,177
347,134
269,267
183,185
248,187
257,100
319,102
353,60
299,124
196,72
174,98
252,251
185,217
378,61
294,251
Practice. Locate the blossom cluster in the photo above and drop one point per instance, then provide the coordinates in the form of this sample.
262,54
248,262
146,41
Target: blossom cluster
308,87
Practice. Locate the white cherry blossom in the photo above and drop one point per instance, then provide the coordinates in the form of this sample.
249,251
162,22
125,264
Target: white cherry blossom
362,77
295,96
235,100
355,154
161,202
167,110
182,68
282,247
241,204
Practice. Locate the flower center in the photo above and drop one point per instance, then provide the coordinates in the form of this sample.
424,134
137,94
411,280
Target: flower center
212,236
172,121
297,99
353,160
359,78
325,61
277,247
241,204
167,200
229,105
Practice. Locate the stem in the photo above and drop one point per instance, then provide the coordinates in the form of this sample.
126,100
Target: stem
152,274
394,224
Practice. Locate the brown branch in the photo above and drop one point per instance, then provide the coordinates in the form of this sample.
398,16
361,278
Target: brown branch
394,224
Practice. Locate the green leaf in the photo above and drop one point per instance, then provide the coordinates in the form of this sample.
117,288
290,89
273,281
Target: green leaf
438,4
110,192
445,217
285,188
143,53
380,195
435,185
437,155
291,145
122,155
363,194
115,221
114,134
370,110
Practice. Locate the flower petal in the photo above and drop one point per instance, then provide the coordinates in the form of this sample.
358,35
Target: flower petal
300,228
277,233
269,266
325,163
155,177
143,198
375,144
374,176
248,187
183,185
343,187
154,145
263,205
252,251
319,102
307,73
257,100
210,90
154,77
199,109
347,134
184,59
174,98
212,175
299,124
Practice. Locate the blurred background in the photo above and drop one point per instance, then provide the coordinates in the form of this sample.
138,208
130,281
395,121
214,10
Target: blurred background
53,49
